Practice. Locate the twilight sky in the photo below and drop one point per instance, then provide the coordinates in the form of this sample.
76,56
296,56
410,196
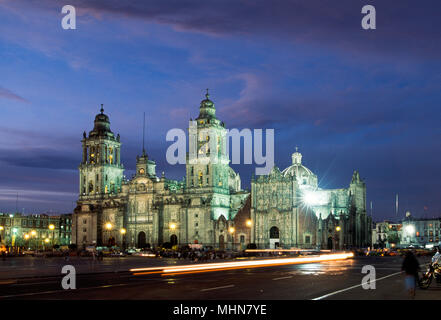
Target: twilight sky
349,98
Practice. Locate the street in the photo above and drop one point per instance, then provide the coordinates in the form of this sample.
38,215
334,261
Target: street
325,280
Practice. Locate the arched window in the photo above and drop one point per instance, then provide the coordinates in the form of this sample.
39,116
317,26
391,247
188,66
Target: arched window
274,233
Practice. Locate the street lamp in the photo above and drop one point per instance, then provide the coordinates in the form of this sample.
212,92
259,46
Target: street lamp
52,228
123,234
2,235
231,231
173,226
338,228
249,222
108,226
26,236
33,234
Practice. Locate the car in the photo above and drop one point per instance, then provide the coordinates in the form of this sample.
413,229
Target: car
28,252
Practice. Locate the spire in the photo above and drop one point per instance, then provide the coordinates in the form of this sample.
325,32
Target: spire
102,108
207,95
143,136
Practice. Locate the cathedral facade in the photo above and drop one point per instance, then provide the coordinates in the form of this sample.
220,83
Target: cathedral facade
150,210
285,209
289,210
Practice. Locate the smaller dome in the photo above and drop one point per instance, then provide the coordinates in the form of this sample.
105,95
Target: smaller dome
101,125
207,109
207,103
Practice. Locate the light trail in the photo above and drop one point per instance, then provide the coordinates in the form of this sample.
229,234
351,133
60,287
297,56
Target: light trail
285,250
210,267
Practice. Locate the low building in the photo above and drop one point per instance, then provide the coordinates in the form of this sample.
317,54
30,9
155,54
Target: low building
36,231
420,232
386,234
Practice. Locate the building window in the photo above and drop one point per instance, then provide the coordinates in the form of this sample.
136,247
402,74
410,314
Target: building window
196,224
200,179
242,239
307,239
84,230
84,221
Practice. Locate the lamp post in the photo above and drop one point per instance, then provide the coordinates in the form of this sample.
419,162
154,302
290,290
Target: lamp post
52,228
231,230
249,225
46,241
33,234
172,228
109,228
337,237
26,236
123,234
2,233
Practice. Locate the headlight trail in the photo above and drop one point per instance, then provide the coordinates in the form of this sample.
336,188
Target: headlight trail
210,267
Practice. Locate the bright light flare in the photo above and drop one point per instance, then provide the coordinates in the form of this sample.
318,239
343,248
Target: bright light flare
310,198
410,229
209,267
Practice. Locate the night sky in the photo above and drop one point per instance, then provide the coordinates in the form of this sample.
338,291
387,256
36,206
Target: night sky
349,98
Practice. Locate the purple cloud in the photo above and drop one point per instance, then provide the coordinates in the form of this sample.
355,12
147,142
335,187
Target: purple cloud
404,28
8,94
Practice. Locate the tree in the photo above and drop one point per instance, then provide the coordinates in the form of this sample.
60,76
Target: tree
393,238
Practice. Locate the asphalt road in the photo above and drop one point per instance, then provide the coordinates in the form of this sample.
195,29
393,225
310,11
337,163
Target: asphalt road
326,280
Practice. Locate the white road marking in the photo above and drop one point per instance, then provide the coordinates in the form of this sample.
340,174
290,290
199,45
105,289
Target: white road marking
359,285
282,278
60,291
215,288
353,287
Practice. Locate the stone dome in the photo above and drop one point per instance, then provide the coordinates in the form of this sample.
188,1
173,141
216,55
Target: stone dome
303,175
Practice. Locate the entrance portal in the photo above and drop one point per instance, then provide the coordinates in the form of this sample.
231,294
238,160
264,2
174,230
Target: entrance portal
274,238
330,243
221,242
141,240
173,240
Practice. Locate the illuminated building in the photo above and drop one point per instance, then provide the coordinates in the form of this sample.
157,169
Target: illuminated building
155,210
208,206
290,210
420,232
15,227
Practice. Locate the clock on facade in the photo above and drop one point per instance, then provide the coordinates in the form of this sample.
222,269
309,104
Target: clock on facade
141,171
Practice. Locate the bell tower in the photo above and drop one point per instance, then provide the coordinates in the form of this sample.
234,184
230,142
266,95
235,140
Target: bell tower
101,171
207,166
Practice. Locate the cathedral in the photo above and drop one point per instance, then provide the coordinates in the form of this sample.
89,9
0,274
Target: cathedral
289,210
284,209
150,210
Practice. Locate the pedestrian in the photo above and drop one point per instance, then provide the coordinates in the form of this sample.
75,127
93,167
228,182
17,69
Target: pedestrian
410,267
